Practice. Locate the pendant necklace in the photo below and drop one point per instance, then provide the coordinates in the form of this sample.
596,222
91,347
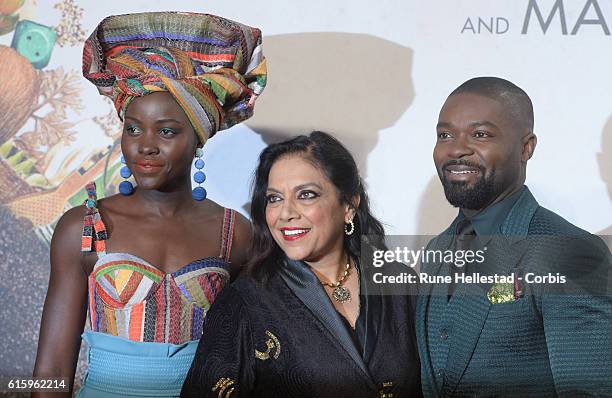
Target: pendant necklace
340,293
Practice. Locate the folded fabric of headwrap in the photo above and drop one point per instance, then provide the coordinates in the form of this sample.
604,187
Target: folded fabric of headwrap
213,67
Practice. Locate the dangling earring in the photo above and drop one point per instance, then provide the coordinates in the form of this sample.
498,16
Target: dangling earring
126,188
349,228
199,193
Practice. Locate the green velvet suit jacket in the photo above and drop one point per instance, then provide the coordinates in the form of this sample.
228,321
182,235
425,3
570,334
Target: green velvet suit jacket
555,340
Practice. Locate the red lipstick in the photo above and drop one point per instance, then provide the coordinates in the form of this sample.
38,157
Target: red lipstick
148,166
291,234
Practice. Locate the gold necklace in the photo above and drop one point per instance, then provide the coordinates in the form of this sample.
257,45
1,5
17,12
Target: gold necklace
340,293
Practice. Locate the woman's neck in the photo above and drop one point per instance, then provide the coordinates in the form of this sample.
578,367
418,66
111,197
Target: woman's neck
164,204
329,267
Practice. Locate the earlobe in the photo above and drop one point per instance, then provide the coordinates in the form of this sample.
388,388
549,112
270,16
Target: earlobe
351,209
349,213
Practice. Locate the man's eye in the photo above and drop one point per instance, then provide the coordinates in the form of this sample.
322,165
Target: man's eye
444,135
307,195
481,134
132,129
272,198
167,132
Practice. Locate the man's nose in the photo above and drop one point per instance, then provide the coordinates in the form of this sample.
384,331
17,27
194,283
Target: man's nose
460,147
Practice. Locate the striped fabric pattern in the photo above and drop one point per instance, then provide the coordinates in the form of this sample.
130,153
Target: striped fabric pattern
131,298
94,231
213,67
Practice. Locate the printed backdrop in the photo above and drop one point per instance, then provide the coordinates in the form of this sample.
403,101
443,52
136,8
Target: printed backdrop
374,73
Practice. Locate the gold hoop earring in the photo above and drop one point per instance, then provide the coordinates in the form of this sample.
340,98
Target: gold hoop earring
350,225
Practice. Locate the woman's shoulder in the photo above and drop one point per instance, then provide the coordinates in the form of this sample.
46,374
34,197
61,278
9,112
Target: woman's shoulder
71,222
117,204
254,302
236,231
211,210
247,290
235,297
247,287
71,229
66,244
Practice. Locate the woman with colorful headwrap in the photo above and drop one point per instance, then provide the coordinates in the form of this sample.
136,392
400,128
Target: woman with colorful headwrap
153,259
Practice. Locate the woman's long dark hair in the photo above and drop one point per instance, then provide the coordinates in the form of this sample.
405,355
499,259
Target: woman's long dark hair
329,155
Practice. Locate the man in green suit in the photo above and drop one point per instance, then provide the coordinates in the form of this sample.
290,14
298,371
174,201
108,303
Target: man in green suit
546,331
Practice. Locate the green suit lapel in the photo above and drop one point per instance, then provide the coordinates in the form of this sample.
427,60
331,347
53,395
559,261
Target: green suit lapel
516,226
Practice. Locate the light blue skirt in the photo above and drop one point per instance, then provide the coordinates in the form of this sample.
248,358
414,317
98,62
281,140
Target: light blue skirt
119,367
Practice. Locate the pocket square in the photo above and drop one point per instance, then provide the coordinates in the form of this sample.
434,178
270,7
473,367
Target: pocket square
501,293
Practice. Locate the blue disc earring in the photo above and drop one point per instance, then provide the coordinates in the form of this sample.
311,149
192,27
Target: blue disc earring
199,193
126,188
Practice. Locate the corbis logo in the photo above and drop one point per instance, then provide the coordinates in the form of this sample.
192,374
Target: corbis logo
545,17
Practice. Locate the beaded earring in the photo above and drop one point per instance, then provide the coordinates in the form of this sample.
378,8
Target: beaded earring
349,228
199,193
126,188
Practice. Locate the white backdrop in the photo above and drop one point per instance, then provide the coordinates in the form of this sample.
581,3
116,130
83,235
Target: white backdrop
567,76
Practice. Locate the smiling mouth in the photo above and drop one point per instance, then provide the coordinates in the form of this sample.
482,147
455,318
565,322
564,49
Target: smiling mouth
463,171
294,234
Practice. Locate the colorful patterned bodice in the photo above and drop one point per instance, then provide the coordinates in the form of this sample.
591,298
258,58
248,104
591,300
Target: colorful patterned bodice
131,298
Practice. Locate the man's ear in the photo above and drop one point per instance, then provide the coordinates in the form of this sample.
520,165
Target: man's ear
529,144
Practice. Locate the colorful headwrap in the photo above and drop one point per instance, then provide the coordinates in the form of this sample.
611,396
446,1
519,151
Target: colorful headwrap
212,66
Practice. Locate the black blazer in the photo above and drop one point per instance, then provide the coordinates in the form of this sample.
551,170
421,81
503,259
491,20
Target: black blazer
284,338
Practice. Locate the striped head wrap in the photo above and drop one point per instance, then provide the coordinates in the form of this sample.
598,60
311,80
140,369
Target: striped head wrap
213,67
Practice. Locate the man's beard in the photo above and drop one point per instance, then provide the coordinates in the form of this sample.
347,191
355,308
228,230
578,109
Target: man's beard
475,197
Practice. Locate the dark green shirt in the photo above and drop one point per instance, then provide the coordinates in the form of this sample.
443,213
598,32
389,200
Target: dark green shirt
489,221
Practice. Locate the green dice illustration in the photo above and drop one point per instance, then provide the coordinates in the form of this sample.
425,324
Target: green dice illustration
35,42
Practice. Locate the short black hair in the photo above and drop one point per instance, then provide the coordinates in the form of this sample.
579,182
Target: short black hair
513,98
330,156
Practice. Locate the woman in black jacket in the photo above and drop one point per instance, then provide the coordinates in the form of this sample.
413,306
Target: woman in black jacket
301,322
